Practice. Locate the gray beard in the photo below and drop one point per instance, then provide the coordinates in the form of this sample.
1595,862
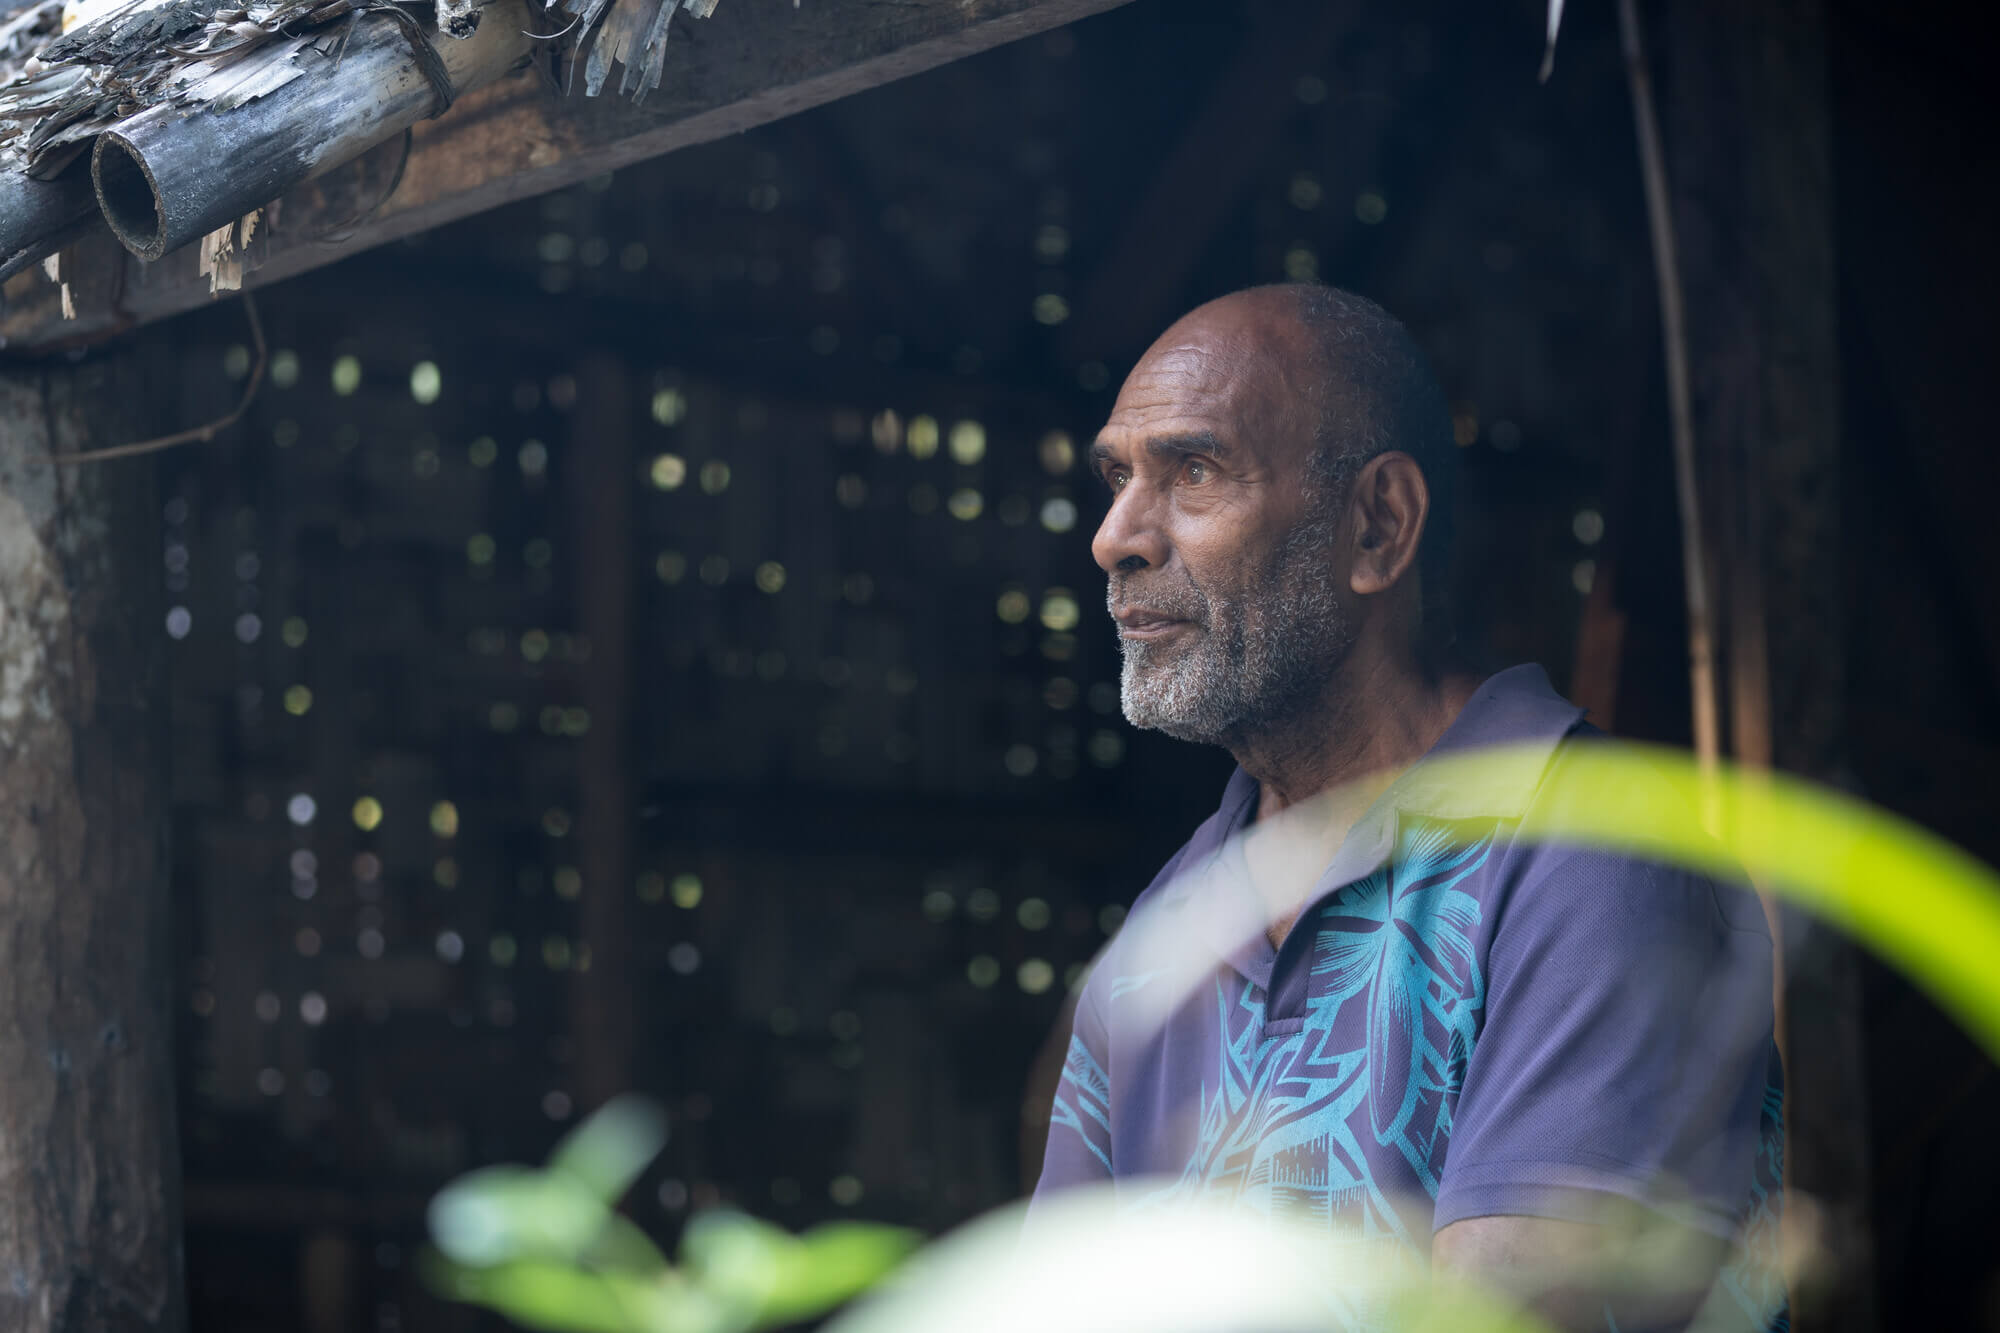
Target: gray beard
1248,661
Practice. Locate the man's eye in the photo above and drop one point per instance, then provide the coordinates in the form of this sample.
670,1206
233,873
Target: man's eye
1116,478
1197,471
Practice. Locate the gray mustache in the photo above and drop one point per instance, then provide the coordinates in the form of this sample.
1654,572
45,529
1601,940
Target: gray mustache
1182,603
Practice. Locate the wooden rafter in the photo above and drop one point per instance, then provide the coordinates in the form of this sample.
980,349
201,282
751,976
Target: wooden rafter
755,61
1138,287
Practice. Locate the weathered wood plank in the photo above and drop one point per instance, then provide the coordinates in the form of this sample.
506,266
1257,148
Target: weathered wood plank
89,1163
755,61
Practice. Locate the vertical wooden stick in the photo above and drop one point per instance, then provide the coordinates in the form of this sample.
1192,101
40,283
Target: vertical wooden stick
1750,683
599,478
1673,331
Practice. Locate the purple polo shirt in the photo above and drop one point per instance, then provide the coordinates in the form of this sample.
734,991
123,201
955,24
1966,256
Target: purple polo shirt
1459,1025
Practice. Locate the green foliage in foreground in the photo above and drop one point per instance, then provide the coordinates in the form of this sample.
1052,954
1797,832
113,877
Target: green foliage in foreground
548,1248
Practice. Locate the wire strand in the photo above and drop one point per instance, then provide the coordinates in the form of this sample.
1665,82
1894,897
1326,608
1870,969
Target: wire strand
197,434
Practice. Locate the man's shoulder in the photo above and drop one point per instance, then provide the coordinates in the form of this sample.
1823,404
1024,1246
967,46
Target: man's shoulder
1565,838
1207,839
1152,939
1151,911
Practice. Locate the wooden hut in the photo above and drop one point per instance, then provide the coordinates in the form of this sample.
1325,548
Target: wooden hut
623,617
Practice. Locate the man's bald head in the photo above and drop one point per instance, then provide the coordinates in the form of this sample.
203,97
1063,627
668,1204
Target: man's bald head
1367,383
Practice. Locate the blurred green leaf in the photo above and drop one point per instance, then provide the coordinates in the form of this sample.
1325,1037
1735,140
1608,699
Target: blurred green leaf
1091,1262
733,1256
832,1264
774,1277
1440,1303
624,1245
502,1213
610,1148
558,1297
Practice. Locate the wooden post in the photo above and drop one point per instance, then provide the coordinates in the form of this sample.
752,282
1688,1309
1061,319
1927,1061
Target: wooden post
1749,133
89,1158
326,1281
600,478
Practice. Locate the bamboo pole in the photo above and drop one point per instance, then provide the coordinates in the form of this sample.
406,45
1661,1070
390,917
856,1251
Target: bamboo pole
173,173
1673,331
39,217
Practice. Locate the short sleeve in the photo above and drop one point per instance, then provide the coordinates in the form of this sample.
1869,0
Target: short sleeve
1626,1047
1079,1148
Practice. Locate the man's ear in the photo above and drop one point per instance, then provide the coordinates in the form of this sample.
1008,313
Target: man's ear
1387,508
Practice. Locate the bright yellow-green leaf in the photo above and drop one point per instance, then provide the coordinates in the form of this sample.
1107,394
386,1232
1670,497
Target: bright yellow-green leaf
1923,905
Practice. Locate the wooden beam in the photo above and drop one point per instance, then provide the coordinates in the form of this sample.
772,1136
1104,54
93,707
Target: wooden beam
755,61
880,268
1140,285
260,1206
404,289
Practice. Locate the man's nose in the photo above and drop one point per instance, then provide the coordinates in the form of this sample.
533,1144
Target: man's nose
1131,537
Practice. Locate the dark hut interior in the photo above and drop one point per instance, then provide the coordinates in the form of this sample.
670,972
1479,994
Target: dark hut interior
645,636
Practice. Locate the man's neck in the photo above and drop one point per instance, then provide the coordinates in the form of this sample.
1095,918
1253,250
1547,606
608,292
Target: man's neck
1326,765
1374,718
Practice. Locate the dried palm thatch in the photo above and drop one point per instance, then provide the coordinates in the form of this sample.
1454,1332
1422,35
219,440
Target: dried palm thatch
632,33
194,113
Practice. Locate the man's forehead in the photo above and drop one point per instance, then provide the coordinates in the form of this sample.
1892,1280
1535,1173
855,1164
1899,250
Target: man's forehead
1193,364
1204,379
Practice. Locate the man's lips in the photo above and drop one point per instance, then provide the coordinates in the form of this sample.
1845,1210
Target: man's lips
1147,624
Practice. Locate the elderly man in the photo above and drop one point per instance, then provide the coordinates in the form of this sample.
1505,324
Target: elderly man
1353,996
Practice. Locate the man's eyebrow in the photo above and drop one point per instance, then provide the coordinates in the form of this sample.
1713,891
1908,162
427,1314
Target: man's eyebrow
1180,446
1166,446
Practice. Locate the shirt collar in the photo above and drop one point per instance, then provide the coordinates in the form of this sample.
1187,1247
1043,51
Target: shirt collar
1517,708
